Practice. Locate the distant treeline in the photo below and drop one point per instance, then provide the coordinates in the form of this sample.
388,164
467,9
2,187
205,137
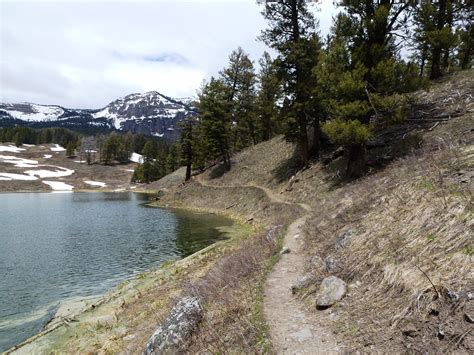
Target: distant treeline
159,156
23,135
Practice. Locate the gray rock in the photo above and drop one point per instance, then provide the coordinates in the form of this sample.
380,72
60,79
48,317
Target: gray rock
331,290
317,265
180,324
344,239
303,282
333,265
285,250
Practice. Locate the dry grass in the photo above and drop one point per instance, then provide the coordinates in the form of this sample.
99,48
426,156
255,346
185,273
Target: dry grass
412,227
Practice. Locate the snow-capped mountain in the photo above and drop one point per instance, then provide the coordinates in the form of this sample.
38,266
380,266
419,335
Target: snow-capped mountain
150,113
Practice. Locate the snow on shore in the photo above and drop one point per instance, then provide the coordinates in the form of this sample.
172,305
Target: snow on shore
19,162
10,176
11,149
96,183
48,156
57,148
58,185
58,172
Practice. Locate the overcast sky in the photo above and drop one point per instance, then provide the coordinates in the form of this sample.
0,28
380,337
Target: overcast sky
85,54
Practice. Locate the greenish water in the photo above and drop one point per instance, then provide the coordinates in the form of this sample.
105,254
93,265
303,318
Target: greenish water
58,246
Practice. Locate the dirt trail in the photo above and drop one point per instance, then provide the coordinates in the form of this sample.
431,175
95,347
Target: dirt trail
293,329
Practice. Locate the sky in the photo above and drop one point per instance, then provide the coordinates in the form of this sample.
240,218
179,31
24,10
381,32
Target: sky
85,54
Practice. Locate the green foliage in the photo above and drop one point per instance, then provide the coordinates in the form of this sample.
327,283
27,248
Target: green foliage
347,133
215,116
25,135
70,150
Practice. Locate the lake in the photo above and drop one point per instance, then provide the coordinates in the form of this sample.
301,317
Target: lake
55,247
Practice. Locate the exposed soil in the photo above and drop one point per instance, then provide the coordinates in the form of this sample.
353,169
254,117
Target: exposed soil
293,328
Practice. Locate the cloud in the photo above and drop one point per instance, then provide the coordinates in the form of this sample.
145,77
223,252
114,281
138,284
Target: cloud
88,53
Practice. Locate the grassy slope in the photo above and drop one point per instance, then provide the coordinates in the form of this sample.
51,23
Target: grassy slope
411,224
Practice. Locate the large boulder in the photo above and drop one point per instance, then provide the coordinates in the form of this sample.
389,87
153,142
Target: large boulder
181,323
331,290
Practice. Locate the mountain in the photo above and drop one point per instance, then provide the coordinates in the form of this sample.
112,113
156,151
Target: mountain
150,113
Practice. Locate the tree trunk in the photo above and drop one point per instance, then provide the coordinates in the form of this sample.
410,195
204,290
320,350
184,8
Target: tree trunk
188,172
356,163
316,147
303,144
435,64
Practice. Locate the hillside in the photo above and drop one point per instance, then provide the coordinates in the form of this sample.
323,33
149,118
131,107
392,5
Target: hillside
400,238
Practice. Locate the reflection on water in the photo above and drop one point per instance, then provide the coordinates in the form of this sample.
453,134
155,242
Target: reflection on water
58,246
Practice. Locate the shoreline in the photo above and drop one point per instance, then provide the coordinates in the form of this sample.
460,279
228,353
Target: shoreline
70,310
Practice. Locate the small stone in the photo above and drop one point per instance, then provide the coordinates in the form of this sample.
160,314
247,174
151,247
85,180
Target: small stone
409,330
331,290
303,282
333,265
317,265
285,250
468,318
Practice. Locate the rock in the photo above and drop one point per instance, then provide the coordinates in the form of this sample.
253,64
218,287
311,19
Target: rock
180,324
331,290
344,239
285,250
468,318
409,330
333,265
303,282
272,232
317,265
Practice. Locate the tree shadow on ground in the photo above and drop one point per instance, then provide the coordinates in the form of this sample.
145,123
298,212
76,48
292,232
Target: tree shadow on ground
217,171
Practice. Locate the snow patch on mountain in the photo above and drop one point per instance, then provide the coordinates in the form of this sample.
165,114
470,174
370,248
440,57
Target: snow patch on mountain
33,112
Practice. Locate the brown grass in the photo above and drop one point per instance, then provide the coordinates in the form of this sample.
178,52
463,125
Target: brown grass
412,227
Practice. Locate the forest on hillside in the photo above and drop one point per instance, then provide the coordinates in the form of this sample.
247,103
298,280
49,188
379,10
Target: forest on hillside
334,91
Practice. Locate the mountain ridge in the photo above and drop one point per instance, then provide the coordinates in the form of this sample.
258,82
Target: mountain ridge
150,113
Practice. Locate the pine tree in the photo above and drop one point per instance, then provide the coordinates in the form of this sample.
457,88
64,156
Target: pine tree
292,33
172,159
187,143
70,150
270,92
240,79
215,117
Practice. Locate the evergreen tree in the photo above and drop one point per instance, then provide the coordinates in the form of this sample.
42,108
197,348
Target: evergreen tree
267,98
70,150
240,79
292,33
172,159
186,142
215,117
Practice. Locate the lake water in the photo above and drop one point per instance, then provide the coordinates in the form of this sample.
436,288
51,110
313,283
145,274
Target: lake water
58,246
